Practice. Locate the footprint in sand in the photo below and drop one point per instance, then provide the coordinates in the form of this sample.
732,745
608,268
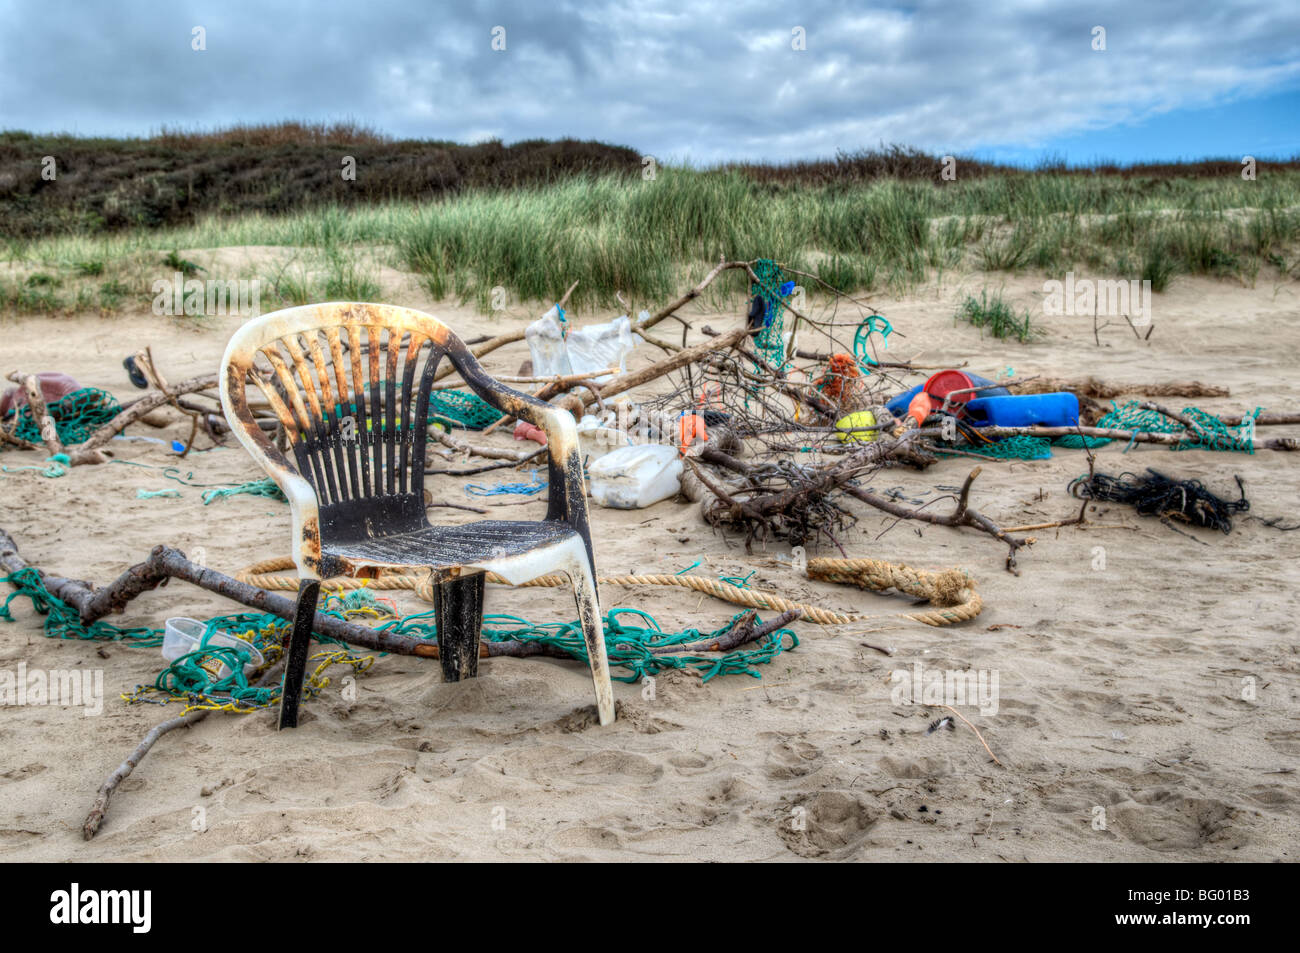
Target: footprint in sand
826,823
631,714
792,758
584,838
23,773
930,766
1284,742
690,764
602,767
1170,821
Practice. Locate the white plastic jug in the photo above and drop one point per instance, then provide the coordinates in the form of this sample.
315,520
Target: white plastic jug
631,478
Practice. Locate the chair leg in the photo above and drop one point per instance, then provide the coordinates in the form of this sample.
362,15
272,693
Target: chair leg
458,610
584,592
295,668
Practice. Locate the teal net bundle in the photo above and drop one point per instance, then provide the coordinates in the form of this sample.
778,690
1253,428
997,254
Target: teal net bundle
461,409
1209,432
76,416
770,342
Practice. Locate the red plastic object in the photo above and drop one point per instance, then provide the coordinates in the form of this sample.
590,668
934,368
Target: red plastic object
526,431
691,428
942,384
53,386
922,406
952,386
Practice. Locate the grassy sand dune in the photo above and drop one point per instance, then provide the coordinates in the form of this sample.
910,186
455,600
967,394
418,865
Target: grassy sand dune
644,238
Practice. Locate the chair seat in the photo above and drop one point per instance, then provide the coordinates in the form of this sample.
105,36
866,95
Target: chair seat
443,547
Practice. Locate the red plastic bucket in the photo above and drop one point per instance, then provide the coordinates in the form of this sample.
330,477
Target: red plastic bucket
942,384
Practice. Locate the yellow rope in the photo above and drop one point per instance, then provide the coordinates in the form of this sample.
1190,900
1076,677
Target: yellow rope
951,592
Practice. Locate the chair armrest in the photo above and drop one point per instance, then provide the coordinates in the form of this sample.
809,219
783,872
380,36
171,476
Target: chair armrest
305,508
567,487
303,503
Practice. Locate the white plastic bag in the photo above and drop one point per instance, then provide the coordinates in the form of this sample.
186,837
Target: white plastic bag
598,346
545,338
587,349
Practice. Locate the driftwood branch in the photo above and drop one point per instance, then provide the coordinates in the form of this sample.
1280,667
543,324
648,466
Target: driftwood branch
1282,444
805,394
509,337
40,414
90,451
1106,390
100,807
491,453
963,515
761,510
165,563
631,379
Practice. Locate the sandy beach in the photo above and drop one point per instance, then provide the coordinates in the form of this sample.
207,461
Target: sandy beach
1120,688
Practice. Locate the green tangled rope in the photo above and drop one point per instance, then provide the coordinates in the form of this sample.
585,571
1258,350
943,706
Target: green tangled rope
76,415
1209,432
197,677
628,646
264,487
64,622
55,466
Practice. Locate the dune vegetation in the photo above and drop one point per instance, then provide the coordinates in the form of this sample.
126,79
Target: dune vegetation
534,217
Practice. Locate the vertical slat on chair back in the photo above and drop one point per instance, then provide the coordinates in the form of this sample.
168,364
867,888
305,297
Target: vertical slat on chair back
356,422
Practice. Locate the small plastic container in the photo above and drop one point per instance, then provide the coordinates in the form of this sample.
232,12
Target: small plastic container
631,478
184,635
1060,409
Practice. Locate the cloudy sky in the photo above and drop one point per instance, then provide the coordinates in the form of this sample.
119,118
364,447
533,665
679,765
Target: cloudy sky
690,81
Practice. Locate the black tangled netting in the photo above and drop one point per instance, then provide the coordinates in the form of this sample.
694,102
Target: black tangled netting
1158,495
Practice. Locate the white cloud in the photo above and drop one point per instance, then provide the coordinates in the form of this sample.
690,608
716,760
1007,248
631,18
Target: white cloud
709,82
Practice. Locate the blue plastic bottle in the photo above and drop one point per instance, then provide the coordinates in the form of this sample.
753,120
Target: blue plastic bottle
1060,409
